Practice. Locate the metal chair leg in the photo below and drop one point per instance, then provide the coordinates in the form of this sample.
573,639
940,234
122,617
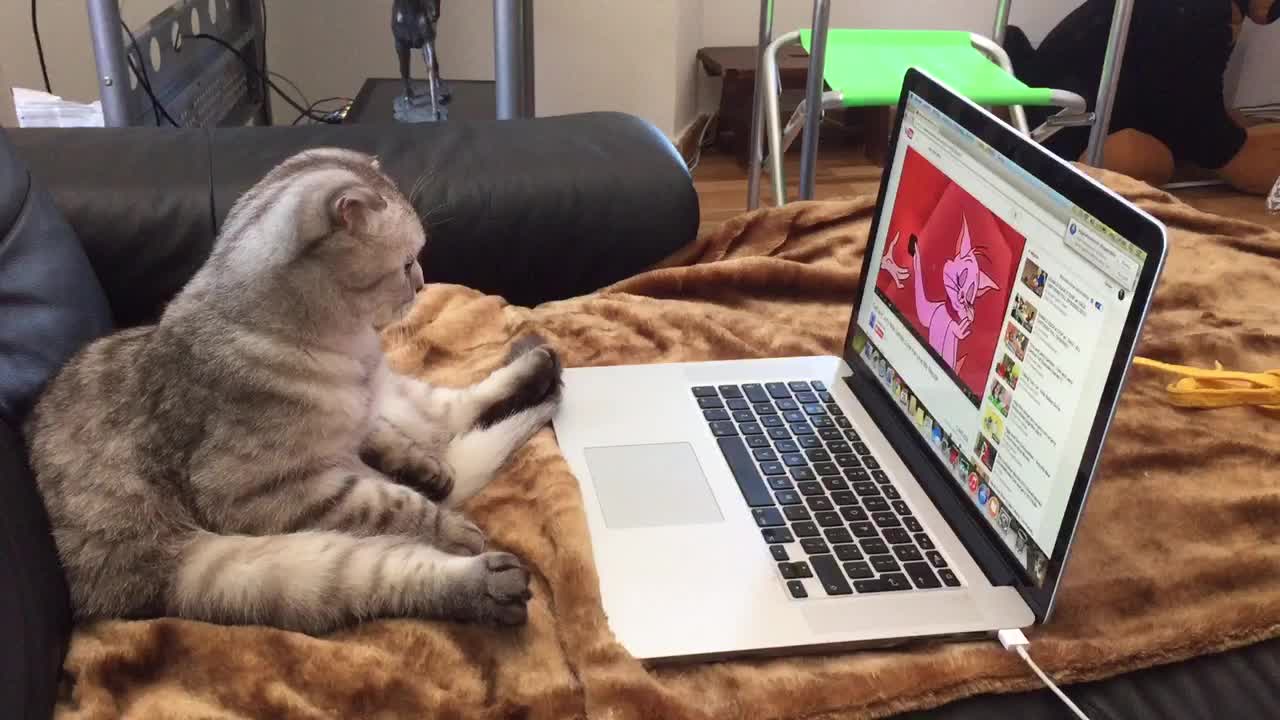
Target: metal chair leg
998,56
1111,65
773,116
813,94
1002,21
755,161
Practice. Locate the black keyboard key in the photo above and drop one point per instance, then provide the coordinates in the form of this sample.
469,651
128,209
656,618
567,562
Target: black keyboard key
810,487
704,391
788,497
798,386
802,473
835,410
804,529
809,442
884,519
757,441
848,461
829,574
924,541
791,570
772,468
876,504
834,483
744,471
801,430
742,416
796,588
895,581
710,402
787,404
751,429
843,422
864,530
935,559
794,460
755,393
901,507
853,514
837,447
793,416
921,575
763,454
870,463
779,433
805,397
948,578
730,391
779,482
825,396
802,569
736,404
768,517
818,503
787,446
796,513
814,409
716,415
891,492
827,469
907,553
865,489
814,546
777,535
831,435
884,563
817,455
779,553
873,546
763,409
912,524
777,390
856,474
818,385
838,535
771,421
848,552
723,429
858,571
869,586
861,448
851,435
820,421
829,518
880,477
844,497
897,536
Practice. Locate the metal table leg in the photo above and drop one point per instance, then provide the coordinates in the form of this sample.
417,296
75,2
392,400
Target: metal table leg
513,57
108,53
1111,65
755,162
813,96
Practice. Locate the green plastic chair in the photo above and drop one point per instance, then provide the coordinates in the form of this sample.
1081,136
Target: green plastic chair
865,68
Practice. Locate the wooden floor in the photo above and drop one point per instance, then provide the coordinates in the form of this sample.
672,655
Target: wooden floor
845,172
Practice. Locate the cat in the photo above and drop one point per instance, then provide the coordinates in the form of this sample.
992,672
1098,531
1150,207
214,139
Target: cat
252,459
950,321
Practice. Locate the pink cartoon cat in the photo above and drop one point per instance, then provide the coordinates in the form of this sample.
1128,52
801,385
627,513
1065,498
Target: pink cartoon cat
963,281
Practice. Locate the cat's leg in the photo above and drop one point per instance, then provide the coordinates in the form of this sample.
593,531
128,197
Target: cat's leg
477,455
316,582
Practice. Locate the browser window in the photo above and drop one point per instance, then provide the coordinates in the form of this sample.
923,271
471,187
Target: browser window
993,320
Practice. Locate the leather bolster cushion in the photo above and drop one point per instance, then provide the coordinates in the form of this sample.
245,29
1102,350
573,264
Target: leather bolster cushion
533,210
51,305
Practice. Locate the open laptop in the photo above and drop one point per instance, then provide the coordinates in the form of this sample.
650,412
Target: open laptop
926,483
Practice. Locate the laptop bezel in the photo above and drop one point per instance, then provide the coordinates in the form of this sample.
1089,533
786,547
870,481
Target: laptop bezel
990,553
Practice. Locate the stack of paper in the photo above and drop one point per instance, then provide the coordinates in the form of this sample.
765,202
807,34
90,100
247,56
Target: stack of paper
41,109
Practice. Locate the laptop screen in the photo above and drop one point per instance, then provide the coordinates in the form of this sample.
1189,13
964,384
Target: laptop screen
993,319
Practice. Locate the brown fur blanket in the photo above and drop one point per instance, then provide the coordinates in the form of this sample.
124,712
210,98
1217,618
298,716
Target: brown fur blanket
1178,554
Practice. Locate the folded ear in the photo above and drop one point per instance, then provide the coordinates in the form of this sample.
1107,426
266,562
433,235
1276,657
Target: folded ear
350,205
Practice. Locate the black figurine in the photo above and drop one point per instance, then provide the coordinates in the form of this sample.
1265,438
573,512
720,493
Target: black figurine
413,25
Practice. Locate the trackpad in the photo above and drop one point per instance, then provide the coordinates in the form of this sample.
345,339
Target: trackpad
651,486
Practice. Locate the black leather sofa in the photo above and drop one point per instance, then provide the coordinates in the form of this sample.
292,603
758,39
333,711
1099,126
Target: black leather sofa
99,228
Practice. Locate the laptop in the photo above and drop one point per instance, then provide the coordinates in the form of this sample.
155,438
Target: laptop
927,482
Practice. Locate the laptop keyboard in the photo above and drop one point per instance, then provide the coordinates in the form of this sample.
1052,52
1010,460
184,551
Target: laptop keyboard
825,507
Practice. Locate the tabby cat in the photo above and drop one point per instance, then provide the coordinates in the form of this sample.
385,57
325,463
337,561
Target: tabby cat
252,459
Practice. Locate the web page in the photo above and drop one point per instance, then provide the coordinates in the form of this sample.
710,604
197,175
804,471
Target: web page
993,319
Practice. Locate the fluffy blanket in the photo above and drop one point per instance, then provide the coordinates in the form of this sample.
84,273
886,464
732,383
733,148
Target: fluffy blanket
1178,555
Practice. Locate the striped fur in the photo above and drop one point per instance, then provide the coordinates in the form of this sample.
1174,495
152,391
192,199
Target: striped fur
251,458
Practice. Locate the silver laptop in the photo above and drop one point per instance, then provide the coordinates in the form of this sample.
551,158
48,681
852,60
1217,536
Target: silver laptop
925,483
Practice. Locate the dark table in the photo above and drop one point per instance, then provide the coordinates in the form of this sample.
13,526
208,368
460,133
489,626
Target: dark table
472,100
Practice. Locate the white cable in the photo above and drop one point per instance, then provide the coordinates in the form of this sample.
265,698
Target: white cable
1017,642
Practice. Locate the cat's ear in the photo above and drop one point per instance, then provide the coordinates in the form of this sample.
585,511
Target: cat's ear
350,205
964,244
985,283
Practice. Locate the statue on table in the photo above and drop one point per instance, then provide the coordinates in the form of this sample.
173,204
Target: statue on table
413,25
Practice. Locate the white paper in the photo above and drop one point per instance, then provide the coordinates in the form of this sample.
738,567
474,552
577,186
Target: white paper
35,108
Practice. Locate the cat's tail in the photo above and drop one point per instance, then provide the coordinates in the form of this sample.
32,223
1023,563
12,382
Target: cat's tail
315,582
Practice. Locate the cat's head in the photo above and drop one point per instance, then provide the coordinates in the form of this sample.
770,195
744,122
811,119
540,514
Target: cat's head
328,233
963,279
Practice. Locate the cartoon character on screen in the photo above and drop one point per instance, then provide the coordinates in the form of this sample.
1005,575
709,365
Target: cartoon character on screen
950,320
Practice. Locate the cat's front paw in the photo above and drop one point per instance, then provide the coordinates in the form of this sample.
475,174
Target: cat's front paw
413,467
457,535
534,372
503,590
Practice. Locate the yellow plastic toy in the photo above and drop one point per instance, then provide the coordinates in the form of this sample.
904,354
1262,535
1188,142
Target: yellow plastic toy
1201,388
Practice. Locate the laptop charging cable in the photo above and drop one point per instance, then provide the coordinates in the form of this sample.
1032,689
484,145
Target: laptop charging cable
1014,641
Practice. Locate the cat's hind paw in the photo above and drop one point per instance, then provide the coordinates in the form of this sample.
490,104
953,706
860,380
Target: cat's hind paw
457,535
503,593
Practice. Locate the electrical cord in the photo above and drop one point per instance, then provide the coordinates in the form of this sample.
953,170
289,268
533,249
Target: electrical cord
331,114
250,65
35,32
144,79
1014,641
